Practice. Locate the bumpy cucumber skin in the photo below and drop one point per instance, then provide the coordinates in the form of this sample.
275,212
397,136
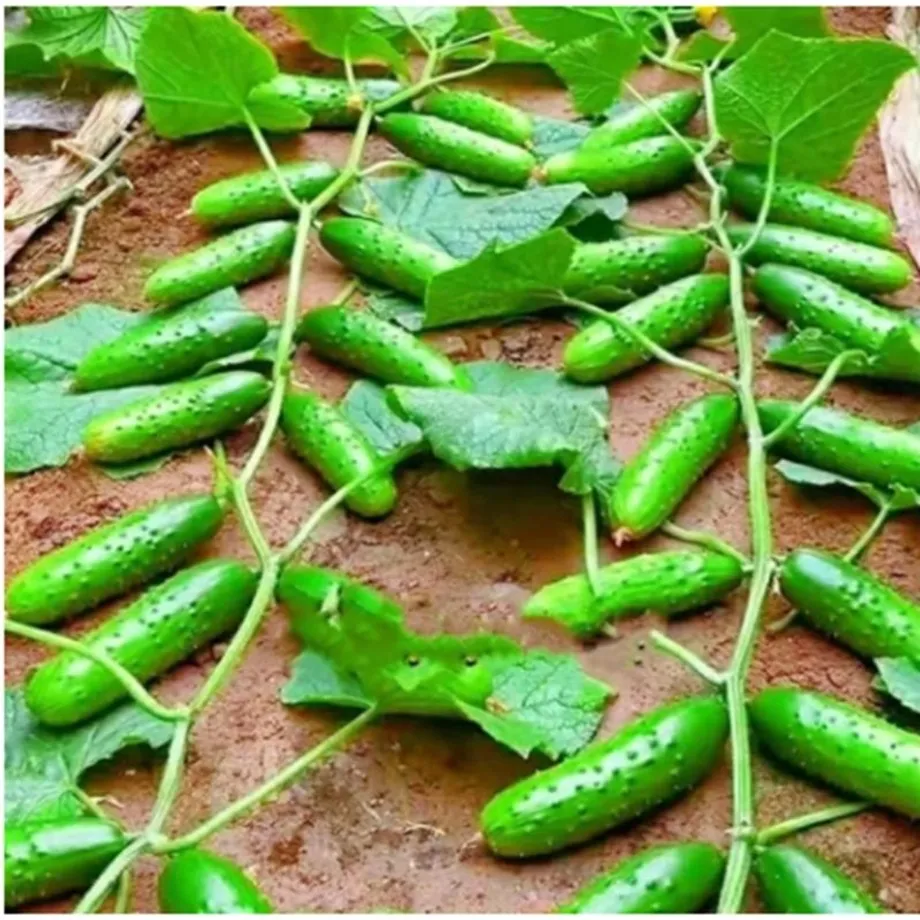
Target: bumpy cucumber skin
42,859
258,196
181,414
836,441
482,113
320,435
161,628
793,880
858,266
677,454
112,559
640,121
365,342
676,878
454,148
200,882
241,256
621,270
840,744
652,760
674,315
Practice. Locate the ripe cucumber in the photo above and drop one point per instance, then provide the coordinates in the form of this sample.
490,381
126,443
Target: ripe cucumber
841,745
42,860
237,258
677,454
651,761
181,414
112,559
796,881
360,340
321,435
836,441
863,268
676,878
200,882
674,315
482,113
666,583
851,605
258,196
161,628
456,149
384,254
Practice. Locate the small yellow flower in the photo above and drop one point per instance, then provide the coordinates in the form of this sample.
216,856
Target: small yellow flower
706,14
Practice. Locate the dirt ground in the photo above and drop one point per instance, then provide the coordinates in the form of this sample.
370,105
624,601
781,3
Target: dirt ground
385,823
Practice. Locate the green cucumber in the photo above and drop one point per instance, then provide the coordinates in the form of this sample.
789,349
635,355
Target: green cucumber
321,435
677,454
161,628
851,605
863,268
482,113
180,414
675,878
237,258
651,761
793,880
199,882
42,859
640,121
674,315
456,149
852,446
112,559
841,745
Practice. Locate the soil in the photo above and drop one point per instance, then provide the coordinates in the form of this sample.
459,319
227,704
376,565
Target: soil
388,822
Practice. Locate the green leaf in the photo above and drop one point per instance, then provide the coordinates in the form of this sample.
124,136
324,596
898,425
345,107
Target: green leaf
316,681
432,23
259,356
899,499
394,307
900,678
366,405
555,135
560,24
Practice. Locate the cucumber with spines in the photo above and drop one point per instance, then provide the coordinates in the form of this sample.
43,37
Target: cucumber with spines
482,113
200,882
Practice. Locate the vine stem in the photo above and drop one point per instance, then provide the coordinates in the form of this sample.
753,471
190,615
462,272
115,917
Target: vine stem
804,822
589,529
108,878
709,540
268,155
693,661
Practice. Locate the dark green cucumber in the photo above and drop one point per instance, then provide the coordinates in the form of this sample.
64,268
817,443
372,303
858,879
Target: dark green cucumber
112,559
796,881
482,113
42,860
673,315
675,878
851,605
863,268
237,258
836,441
640,121
384,254
180,414
360,340
651,761
456,149
842,745
321,435
200,882
666,583
161,628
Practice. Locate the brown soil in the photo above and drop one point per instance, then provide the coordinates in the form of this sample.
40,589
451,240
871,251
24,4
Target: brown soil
387,822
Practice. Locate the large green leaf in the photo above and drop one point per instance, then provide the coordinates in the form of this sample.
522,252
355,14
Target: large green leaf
898,499
900,678
563,24
365,404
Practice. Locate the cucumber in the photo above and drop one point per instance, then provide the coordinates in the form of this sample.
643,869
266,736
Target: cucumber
180,414
667,583
851,605
321,435
796,881
841,745
453,148
652,760
674,315
384,254
639,121
677,454
863,268
112,559
200,882
161,628
482,113
852,446
257,195
42,859
362,341
237,258
675,878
